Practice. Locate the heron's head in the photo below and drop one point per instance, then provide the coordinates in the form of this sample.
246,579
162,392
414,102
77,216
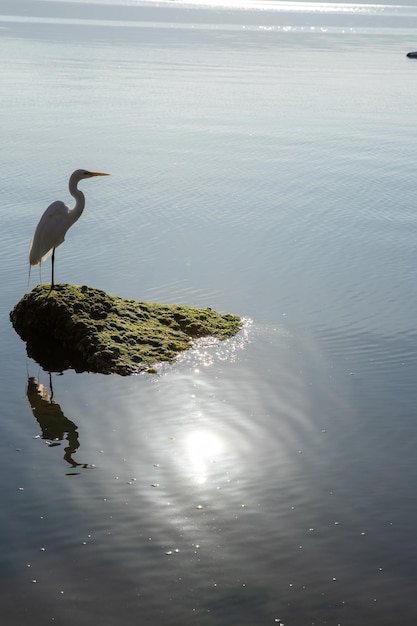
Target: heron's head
81,174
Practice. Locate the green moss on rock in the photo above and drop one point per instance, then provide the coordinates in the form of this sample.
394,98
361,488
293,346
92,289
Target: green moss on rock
88,330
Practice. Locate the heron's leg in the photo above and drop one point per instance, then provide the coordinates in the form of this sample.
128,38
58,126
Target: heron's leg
53,263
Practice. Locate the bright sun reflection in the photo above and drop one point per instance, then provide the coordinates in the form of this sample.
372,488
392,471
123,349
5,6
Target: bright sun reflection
202,448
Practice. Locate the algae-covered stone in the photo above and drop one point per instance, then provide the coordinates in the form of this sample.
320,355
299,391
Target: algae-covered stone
88,330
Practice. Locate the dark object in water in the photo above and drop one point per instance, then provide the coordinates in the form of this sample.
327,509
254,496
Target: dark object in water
412,55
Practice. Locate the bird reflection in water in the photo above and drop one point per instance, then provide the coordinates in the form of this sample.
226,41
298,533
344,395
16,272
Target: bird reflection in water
54,425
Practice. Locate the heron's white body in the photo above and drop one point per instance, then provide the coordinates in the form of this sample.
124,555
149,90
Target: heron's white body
51,230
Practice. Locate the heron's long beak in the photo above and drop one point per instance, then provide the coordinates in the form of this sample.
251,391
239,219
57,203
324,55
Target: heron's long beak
98,174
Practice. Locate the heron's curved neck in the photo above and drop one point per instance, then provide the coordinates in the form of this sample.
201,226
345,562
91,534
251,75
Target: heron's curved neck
79,199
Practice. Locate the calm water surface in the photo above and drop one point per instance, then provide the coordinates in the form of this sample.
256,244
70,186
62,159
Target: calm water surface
262,162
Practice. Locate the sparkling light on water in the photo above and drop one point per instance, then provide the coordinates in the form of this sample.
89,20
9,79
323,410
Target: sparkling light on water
203,448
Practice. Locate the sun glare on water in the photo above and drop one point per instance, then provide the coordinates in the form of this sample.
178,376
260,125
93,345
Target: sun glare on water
202,450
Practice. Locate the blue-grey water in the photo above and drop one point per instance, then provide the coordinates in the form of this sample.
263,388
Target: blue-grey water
263,162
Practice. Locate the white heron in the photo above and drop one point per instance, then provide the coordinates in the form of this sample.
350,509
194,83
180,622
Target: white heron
56,220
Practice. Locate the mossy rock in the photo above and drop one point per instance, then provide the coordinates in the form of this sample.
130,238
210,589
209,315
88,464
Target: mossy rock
86,329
